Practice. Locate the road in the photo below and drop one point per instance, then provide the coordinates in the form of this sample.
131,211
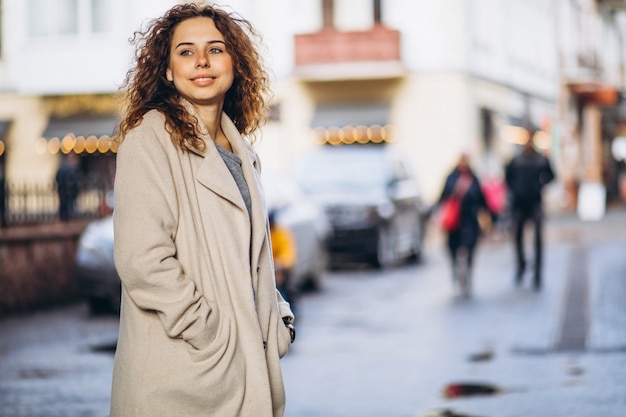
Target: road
374,344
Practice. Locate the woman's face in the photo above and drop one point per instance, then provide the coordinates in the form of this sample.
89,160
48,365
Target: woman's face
200,65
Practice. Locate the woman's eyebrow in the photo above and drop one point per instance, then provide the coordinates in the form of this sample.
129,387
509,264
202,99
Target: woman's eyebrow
186,43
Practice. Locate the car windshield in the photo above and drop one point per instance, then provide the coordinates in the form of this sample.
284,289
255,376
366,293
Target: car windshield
341,171
279,190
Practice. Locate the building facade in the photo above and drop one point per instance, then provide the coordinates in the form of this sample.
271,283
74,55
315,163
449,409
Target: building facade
451,76
433,79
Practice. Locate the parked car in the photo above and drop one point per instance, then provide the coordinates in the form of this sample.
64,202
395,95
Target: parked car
372,200
99,283
308,224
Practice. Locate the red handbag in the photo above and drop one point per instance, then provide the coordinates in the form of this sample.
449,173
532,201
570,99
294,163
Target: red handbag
450,209
450,214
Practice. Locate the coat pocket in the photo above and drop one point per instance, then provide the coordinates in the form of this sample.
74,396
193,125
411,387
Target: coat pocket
218,347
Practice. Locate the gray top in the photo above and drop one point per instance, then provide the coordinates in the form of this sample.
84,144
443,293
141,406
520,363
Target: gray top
233,163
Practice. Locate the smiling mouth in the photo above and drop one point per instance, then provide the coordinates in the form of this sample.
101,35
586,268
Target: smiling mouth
203,78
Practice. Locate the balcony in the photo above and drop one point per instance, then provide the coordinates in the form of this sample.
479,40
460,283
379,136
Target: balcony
595,92
331,55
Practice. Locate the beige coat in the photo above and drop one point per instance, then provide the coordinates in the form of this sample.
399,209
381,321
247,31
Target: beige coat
201,332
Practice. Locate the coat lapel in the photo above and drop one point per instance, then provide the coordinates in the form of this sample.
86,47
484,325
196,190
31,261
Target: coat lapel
213,172
250,166
214,175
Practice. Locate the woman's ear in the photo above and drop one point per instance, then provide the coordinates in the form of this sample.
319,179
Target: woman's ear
168,75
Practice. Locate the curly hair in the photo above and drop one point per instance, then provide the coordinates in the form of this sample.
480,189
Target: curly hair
245,102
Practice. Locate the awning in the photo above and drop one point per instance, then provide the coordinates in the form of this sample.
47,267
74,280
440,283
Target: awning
340,115
81,125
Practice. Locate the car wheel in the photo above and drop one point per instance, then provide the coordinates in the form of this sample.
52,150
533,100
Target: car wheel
385,256
99,305
313,281
417,245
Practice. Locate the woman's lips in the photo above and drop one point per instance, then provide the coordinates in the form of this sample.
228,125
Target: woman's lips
203,79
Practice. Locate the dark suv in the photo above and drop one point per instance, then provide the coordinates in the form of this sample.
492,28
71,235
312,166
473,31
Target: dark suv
372,201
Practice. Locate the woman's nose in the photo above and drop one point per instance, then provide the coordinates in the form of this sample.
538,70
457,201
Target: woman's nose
203,60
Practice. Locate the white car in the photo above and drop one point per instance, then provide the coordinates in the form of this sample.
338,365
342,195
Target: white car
308,224
372,200
99,283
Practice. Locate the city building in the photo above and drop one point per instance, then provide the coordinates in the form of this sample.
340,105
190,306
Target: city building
430,78
450,76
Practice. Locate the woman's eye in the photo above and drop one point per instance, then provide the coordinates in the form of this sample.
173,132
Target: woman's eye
215,51
185,52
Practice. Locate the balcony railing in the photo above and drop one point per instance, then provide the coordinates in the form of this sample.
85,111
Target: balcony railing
331,53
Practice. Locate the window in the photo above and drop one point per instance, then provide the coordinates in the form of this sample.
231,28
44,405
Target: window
53,18
100,15
378,14
486,127
399,171
328,10
327,13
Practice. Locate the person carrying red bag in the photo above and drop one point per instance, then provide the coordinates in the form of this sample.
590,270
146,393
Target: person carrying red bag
463,185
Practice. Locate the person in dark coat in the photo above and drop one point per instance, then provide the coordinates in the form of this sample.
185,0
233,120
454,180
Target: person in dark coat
463,183
67,181
526,175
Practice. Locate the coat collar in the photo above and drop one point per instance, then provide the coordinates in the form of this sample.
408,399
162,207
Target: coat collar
241,147
214,175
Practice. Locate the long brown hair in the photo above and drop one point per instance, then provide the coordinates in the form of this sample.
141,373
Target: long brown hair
146,86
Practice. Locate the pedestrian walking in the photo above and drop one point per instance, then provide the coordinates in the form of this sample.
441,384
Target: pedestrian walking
202,326
463,187
526,176
67,181
495,192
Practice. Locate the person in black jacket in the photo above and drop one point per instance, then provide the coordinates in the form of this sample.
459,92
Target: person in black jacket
462,183
526,175
67,182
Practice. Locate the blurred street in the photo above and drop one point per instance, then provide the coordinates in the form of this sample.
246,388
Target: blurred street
386,344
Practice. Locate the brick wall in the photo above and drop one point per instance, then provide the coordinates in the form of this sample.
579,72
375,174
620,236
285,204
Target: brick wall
37,266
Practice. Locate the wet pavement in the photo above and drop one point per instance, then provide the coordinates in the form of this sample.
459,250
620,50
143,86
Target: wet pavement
390,345
56,363
396,344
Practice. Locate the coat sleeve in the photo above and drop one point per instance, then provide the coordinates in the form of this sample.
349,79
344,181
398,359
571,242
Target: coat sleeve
145,221
547,174
448,186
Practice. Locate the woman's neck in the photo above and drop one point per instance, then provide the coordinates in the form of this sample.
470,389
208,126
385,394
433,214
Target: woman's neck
212,118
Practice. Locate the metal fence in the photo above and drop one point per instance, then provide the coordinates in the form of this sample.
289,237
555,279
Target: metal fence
37,203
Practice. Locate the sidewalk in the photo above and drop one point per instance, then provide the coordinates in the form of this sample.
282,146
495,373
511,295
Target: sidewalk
561,352
568,227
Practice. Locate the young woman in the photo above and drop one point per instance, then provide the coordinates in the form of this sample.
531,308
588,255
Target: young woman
463,185
202,327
